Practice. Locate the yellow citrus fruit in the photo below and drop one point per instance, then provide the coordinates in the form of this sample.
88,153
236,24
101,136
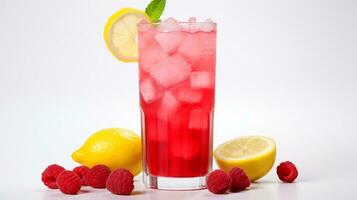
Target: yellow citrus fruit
120,33
113,147
253,154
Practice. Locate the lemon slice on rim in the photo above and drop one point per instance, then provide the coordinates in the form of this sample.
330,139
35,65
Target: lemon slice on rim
253,154
120,33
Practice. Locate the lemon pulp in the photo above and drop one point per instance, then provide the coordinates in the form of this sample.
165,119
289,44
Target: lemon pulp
254,154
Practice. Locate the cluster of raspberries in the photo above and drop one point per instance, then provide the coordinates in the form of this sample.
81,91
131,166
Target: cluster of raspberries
219,182
119,181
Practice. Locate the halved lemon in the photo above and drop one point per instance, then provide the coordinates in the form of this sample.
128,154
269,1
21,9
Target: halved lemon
253,154
120,33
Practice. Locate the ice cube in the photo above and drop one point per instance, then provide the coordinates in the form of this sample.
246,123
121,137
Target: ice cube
192,19
190,48
171,71
144,25
169,100
148,91
145,38
208,26
169,25
205,27
169,105
185,147
169,42
189,95
209,20
155,131
201,80
193,27
206,62
150,55
208,42
198,119
170,20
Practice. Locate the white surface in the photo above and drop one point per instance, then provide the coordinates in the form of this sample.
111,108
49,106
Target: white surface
342,188
286,69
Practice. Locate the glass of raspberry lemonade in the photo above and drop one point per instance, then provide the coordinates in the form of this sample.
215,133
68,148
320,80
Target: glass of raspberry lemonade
177,62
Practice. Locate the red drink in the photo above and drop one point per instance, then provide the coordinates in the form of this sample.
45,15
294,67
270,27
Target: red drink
177,85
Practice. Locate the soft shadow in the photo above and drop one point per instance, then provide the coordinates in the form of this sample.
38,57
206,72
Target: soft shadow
265,182
135,193
215,196
277,181
288,191
303,180
244,191
83,191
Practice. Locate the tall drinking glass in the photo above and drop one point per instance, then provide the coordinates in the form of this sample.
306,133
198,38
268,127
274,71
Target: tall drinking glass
177,87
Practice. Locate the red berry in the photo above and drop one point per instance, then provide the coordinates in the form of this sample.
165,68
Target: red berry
218,181
49,176
69,182
240,180
120,181
287,172
81,171
97,176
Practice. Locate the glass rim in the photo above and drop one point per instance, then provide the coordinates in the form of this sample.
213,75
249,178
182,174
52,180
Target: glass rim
179,22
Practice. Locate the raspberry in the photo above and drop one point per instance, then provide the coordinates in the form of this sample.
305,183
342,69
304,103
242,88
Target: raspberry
240,180
120,181
49,176
81,171
69,182
218,181
97,176
287,172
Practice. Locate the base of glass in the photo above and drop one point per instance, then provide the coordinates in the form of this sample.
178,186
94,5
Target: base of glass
174,183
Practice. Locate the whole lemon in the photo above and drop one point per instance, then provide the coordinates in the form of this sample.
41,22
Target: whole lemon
113,147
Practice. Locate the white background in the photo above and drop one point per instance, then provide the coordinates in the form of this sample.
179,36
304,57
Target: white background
285,69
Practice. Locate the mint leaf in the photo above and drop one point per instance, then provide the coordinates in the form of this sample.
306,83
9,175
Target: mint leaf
155,9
